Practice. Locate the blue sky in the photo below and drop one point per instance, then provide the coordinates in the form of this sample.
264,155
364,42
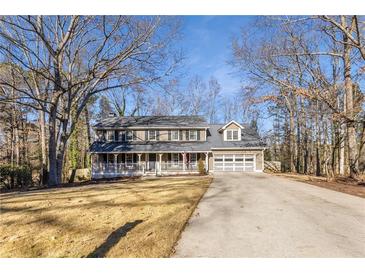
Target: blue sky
207,46
206,43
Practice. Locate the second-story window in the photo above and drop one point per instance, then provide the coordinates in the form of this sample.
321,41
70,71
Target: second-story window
130,135
121,136
110,135
193,135
152,135
232,135
174,135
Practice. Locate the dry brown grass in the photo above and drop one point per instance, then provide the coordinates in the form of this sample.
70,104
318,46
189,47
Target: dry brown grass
341,184
141,218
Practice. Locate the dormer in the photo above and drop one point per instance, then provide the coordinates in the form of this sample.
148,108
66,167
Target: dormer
231,131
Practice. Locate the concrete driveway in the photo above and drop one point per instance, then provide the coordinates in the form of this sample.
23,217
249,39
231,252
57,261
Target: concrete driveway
262,215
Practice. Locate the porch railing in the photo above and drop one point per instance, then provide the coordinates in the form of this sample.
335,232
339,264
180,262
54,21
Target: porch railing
151,166
120,168
178,166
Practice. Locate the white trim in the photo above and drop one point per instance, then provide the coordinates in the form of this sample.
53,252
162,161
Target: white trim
231,122
254,162
187,151
237,148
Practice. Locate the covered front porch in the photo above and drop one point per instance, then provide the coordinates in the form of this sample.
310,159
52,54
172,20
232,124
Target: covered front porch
108,165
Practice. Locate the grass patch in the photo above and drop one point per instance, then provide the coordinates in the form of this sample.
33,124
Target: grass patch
140,218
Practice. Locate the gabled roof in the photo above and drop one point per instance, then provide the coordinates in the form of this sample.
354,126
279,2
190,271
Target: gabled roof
152,122
249,140
231,122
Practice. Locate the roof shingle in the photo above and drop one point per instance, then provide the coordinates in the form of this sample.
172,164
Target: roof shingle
249,139
152,122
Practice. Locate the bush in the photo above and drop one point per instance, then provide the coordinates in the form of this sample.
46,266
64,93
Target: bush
12,177
201,167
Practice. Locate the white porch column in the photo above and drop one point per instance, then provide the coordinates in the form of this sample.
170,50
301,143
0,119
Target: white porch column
160,162
147,159
184,161
115,163
139,160
206,162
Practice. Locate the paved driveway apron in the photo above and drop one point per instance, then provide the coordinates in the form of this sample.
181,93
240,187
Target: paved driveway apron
261,215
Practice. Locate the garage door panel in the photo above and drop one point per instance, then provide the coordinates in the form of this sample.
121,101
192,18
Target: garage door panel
234,162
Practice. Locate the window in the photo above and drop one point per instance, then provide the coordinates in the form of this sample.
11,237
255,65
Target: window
152,135
121,136
193,135
174,135
175,158
235,134
229,135
228,158
130,135
110,136
232,135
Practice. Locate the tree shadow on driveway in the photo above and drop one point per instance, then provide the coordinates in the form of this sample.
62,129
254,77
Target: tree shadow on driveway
113,239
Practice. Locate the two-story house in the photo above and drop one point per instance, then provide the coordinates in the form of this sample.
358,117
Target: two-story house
127,146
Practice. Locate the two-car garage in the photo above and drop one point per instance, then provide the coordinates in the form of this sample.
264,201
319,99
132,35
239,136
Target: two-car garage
234,162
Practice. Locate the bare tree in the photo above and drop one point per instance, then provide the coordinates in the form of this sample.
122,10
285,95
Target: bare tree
290,69
213,95
73,58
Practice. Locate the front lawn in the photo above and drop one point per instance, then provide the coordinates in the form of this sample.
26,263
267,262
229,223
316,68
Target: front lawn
141,218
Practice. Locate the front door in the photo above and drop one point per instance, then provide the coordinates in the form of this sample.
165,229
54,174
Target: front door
151,164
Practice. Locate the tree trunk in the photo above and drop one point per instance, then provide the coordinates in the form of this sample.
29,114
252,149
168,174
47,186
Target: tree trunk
60,160
52,149
42,137
342,149
351,131
306,145
299,147
318,160
88,132
291,141
16,141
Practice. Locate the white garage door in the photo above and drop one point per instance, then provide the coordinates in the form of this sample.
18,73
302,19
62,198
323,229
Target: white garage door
234,162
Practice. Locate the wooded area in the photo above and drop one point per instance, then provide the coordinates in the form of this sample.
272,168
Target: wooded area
309,71
58,74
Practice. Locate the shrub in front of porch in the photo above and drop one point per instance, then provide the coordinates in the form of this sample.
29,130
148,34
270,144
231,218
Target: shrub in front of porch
201,167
